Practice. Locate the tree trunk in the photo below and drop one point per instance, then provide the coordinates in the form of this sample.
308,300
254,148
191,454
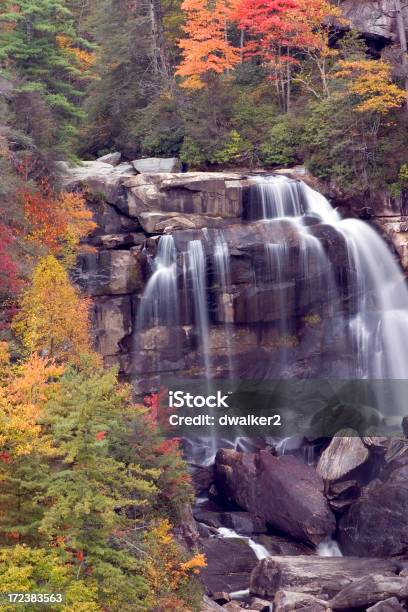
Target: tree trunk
403,44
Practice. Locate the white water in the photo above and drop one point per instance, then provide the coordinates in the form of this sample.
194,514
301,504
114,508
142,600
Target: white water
159,303
329,548
260,551
223,267
198,275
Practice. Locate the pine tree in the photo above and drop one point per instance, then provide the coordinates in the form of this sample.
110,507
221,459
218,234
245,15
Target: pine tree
32,35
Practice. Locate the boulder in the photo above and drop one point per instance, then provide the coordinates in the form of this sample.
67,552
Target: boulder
244,523
229,565
377,523
157,164
287,601
369,590
279,545
345,453
387,605
261,605
210,606
318,576
202,478
99,178
111,158
283,491
343,494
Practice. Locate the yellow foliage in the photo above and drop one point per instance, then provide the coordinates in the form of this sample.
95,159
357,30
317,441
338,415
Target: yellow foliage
84,59
371,83
166,571
23,391
53,318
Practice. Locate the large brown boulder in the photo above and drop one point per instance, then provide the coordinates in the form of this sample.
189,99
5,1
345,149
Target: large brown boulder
376,525
282,490
345,453
229,565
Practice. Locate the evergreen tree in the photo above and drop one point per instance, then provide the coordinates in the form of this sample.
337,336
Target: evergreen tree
33,44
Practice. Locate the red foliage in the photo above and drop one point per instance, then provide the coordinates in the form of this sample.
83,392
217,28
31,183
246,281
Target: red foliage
9,280
101,435
5,457
45,217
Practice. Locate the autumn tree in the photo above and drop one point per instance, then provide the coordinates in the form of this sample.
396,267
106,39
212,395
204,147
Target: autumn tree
53,318
280,31
206,48
57,221
371,86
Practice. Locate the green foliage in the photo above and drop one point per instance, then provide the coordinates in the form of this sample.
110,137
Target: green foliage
281,147
88,492
27,570
49,76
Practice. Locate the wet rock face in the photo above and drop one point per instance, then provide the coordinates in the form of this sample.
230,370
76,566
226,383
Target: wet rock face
287,494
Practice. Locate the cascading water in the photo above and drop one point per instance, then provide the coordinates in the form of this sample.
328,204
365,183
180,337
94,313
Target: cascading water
159,304
198,275
367,333
222,265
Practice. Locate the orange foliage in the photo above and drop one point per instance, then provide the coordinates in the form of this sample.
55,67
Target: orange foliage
206,48
56,221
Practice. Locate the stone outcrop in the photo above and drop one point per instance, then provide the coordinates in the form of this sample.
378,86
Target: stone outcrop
345,453
373,18
318,576
133,210
287,494
370,590
229,565
376,524
157,164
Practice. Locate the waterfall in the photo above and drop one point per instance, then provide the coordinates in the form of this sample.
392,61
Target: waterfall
279,197
198,275
159,304
284,261
222,265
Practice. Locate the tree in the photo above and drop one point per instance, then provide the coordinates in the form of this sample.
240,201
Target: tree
30,570
280,31
31,35
206,48
53,318
370,84
57,221
403,44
